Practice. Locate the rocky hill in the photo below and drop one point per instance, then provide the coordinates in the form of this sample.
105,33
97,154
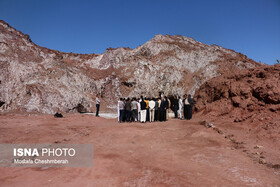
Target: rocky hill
37,79
249,94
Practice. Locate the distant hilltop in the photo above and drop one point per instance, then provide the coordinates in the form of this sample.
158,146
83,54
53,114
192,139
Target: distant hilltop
37,79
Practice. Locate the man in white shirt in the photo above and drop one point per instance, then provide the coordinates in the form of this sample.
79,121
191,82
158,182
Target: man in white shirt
122,110
119,113
152,104
139,109
180,107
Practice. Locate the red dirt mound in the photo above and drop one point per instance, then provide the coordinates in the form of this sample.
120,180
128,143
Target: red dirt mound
243,95
245,105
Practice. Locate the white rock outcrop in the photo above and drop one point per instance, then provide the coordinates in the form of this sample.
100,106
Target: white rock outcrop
37,79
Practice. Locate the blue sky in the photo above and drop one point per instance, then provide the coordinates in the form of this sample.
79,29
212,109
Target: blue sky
251,27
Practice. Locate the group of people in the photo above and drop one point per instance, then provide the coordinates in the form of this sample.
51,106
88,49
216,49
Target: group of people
154,109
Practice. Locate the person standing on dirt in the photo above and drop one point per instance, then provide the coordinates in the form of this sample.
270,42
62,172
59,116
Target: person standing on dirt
143,110
128,110
122,110
139,109
180,107
185,106
163,109
134,109
168,105
97,100
157,109
152,104
188,107
119,114
175,106
147,109
159,103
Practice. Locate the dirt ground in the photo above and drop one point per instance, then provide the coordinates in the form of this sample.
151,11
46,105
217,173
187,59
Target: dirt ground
173,153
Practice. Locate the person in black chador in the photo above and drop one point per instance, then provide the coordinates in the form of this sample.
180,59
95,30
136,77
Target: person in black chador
157,109
162,110
188,104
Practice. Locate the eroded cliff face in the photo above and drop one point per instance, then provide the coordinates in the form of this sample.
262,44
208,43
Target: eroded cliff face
37,79
248,95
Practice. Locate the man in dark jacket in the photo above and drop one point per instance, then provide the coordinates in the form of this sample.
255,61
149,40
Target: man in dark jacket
143,110
128,110
175,106
123,111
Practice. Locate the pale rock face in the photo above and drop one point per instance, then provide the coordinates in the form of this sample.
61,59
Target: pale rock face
36,79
